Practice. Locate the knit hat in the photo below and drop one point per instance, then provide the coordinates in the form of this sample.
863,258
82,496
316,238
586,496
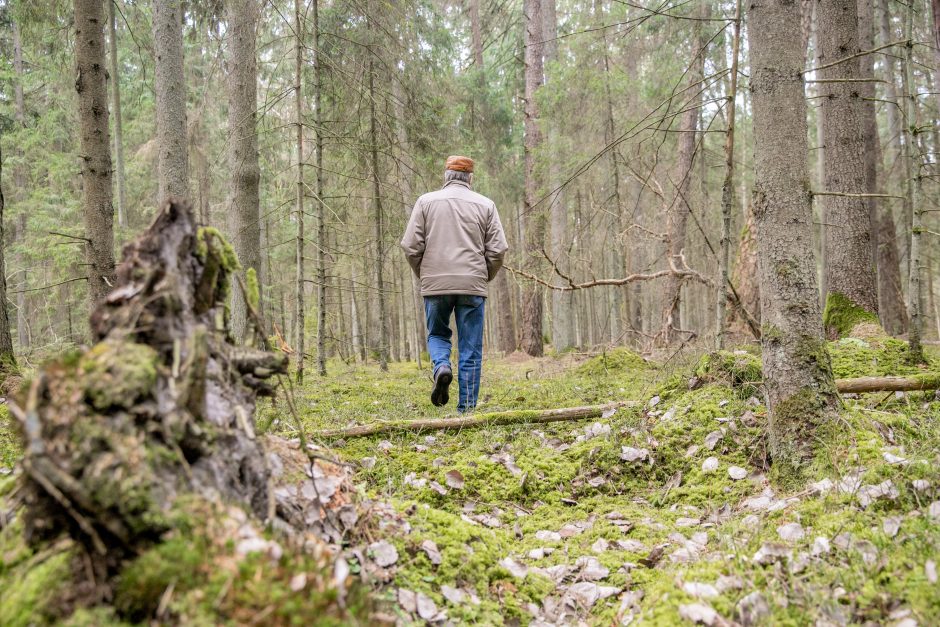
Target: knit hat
459,164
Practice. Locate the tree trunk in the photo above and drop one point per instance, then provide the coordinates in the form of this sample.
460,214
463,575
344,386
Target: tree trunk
678,215
533,216
914,195
318,190
744,275
19,181
727,188
299,333
243,201
562,329
378,217
797,373
852,293
170,88
891,306
116,107
91,85
935,9
7,359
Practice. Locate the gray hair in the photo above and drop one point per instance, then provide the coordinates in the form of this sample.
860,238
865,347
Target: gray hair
456,175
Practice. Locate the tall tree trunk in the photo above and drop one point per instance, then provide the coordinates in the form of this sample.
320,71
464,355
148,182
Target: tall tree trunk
170,88
678,215
378,218
891,306
744,276
533,216
318,190
727,187
851,283
19,182
91,86
116,108
871,157
7,359
299,333
562,329
914,293
797,373
935,9
241,83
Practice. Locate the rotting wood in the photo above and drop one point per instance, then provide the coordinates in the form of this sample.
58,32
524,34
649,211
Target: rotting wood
915,383
475,422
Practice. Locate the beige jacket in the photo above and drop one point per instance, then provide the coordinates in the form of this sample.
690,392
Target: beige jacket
454,241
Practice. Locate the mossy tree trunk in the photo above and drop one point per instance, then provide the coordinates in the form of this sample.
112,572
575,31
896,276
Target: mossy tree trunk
7,359
797,371
850,270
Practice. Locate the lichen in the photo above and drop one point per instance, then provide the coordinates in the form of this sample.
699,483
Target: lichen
842,314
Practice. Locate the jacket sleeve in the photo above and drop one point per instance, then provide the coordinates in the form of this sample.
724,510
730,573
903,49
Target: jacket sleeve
414,240
495,245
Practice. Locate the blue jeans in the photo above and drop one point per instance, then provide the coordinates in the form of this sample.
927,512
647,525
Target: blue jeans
469,313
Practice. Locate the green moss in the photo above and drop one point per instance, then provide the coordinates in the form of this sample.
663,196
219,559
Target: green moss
31,588
842,314
615,360
210,239
253,289
739,369
870,357
118,373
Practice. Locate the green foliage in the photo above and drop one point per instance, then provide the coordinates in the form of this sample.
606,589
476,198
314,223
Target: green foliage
738,369
842,314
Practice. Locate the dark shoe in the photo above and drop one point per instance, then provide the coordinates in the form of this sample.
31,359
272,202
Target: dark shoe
442,379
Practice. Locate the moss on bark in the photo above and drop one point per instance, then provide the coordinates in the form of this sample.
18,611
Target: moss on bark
842,315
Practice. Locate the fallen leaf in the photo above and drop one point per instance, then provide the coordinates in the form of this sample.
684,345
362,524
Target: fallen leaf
921,485
687,522
729,582
408,600
630,454
771,552
434,485
412,479
933,510
600,545
712,439
454,595
298,582
384,553
820,546
545,535
430,548
893,459
710,464
891,525
868,551
699,613
591,569
930,571
869,493
752,609
515,568
454,479
427,609
368,463
700,590
791,532
654,556
737,473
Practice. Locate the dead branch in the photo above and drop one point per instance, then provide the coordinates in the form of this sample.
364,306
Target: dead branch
915,383
475,422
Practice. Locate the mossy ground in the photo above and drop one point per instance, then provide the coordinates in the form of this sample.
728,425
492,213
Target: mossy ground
522,479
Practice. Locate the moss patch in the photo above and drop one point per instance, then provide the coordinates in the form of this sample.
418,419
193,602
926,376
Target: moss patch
842,314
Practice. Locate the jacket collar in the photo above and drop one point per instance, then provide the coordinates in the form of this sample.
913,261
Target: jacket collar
456,182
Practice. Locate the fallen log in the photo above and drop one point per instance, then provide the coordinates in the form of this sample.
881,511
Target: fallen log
913,383
475,422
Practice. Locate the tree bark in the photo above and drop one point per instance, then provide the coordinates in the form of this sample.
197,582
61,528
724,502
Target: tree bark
935,9
118,126
170,88
534,218
299,333
744,276
851,280
243,201
378,217
797,371
678,216
7,358
891,306
322,238
92,89
19,181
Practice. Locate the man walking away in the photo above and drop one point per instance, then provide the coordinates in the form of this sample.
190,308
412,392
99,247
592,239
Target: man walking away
455,245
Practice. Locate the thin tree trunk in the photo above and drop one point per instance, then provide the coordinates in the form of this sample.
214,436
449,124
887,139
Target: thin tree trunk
891,306
727,188
241,82
533,216
118,127
870,138
299,333
935,9
914,295
19,182
678,215
7,358
359,350
378,218
851,281
744,276
318,189
92,89
797,373
170,88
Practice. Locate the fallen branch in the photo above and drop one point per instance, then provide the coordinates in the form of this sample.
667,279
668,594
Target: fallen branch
914,383
474,422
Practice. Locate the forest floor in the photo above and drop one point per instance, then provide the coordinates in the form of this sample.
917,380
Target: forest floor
652,514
